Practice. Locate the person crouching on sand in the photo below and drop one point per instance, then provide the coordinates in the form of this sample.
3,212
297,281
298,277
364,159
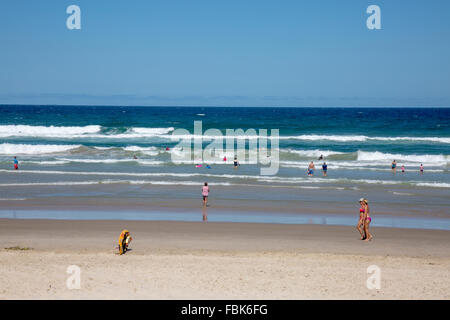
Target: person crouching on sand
362,217
205,192
367,221
124,240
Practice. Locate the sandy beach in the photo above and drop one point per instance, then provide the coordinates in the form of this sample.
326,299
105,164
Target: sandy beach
239,143
195,260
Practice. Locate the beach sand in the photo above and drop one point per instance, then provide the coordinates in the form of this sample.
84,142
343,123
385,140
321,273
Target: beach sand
197,260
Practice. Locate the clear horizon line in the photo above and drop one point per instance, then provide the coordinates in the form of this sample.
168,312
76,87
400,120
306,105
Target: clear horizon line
212,106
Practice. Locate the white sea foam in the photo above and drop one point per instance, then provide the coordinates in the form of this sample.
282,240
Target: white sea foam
99,160
402,193
94,131
91,131
312,153
298,181
136,133
111,161
362,138
104,148
135,174
46,163
426,158
434,184
43,131
100,182
271,179
31,149
419,139
315,137
152,131
151,151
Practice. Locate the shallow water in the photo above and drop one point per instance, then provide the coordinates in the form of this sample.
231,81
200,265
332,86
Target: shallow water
222,216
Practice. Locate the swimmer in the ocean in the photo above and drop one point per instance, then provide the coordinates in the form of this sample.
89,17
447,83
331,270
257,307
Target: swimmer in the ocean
16,164
421,168
403,169
321,157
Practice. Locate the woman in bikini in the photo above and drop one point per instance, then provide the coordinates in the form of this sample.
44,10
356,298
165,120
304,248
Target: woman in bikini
367,221
362,216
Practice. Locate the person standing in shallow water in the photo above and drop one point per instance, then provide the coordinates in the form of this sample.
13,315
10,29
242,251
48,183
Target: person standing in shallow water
311,169
16,164
205,193
235,163
394,166
324,169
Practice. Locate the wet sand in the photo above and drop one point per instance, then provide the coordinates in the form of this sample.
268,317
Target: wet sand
198,260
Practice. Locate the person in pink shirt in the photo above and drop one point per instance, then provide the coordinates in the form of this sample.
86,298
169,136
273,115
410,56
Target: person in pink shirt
205,192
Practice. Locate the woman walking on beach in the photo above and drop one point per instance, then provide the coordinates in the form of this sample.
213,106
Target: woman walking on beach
362,217
367,221
205,192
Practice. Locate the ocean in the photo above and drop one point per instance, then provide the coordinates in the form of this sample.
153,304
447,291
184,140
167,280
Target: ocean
70,146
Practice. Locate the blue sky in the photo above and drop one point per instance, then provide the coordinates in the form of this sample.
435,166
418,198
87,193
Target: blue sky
226,53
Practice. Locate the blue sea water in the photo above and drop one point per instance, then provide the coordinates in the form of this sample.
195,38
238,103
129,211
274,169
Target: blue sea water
364,140
73,147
